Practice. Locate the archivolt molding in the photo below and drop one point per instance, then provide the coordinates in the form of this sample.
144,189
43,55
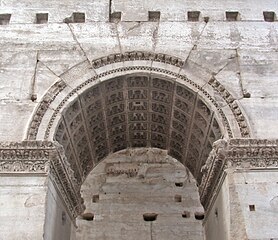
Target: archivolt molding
138,55
135,56
44,158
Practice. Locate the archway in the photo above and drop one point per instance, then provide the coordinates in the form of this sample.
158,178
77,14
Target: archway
138,100
138,111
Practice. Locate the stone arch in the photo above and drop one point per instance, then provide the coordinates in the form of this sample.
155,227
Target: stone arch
163,89
87,74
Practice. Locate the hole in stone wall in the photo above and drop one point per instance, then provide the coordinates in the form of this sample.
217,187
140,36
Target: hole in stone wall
269,16
199,215
177,198
186,214
154,16
64,218
78,17
149,217
95,198
232,16
41,18
179,184
206,19
246,95
5,19
252,208
88,216
193,16
115,17
216,212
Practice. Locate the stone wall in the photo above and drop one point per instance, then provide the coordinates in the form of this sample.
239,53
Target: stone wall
131,183
227,52
245,208
22,203
241,54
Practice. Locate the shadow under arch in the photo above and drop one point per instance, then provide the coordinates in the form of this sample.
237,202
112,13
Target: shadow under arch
136,100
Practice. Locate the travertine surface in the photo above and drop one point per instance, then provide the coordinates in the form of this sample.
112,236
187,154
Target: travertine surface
22,204
132,182
240,58
242,55
231,216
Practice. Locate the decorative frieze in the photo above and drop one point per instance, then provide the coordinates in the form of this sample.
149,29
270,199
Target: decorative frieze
212,170
43,157
26,157
253,153
235,154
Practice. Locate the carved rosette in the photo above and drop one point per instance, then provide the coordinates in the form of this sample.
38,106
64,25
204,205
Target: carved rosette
235,154
43,157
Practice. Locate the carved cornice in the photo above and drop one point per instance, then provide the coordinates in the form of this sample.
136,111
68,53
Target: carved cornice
63,176
43,157
230,100
28,157
253,153
235,154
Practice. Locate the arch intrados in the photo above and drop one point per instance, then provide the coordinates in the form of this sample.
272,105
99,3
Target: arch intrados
110,117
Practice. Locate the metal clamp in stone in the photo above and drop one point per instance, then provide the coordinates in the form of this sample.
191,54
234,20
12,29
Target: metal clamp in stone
212,171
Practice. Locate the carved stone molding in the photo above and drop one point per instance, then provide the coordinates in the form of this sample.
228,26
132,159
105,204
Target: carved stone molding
137,55
47,99
253,153
29,157
235,154
132,56
212,171
43,157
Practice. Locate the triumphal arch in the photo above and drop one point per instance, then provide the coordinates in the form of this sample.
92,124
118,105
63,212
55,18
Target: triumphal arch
138,120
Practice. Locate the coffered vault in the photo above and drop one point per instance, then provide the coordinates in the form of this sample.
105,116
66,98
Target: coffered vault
137,111
136,99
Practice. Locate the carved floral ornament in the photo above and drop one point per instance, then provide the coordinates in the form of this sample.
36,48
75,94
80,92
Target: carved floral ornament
137,56
44,157
235,154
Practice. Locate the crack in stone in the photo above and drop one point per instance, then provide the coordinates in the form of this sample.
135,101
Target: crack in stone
78,43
